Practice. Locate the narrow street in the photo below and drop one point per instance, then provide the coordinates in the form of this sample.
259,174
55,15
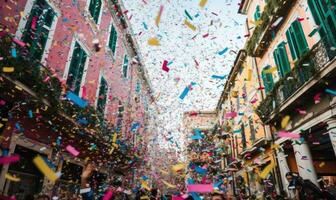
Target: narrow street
167,99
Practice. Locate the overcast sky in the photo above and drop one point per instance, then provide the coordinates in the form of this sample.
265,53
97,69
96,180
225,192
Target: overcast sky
184,48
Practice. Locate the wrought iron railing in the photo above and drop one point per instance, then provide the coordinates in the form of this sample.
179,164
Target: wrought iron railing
305,69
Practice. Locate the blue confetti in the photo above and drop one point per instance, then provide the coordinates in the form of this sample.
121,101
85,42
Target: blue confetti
223,52
77,100
13,52
184,93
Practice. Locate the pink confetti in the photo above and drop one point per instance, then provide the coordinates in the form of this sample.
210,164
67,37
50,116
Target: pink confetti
206,35
108,195
4,160
288,135
19,42
84,92
72,150
165,66
317,98
201,188
177,198
34,22
301,112
2,102
230,115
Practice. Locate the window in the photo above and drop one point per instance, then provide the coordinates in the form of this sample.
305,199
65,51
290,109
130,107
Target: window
296,40
120,116
257,13
242,127
281,59
94,9
325,17
113,39
37,28
102,96
252,130
125,67
267,78
76,68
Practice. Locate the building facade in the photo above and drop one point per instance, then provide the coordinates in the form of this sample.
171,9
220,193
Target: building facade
71,75
292,47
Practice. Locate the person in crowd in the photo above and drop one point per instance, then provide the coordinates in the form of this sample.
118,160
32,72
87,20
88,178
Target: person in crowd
303,189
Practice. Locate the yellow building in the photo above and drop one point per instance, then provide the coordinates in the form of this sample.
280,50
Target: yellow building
248,139
292,45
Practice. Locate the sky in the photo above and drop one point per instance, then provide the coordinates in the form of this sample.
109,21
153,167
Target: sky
193,56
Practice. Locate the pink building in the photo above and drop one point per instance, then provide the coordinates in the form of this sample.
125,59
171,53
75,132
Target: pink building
86,45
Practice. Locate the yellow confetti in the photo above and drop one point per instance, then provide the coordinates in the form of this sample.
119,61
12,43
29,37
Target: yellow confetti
285,121
144,197
18,88
202,3
267,170
270,70
8,69
321,164
249,75
1,125
12,178
191,26
45,169
168,184
144,185
178,167
153,42
158,17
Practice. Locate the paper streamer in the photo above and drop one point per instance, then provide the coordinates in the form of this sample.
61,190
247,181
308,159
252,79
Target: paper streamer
165,66
19,42
4,160
285,121
184,93
158,17
168,184
286,134
153,42
45,169
177,198
188,15
178,167
267,170
202,3
201,188
332,92
223,51
77,100
8,69
12,178
219,77
108,195
72,150
189,25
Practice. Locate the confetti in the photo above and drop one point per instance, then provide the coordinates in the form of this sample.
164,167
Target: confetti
153,42
201,188
72,150
4,160
158,17
45,169
189,25
202,3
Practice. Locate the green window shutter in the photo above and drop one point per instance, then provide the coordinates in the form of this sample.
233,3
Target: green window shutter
325,17
300,37
94,9
113,39
257,13
292,43
267,79
76,69
283,58
37,28
125,67
102,96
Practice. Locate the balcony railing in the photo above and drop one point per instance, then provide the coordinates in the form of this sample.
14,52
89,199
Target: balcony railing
305,69
43,81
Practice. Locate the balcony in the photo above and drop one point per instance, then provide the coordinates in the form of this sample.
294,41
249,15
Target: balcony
263,33
296,84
